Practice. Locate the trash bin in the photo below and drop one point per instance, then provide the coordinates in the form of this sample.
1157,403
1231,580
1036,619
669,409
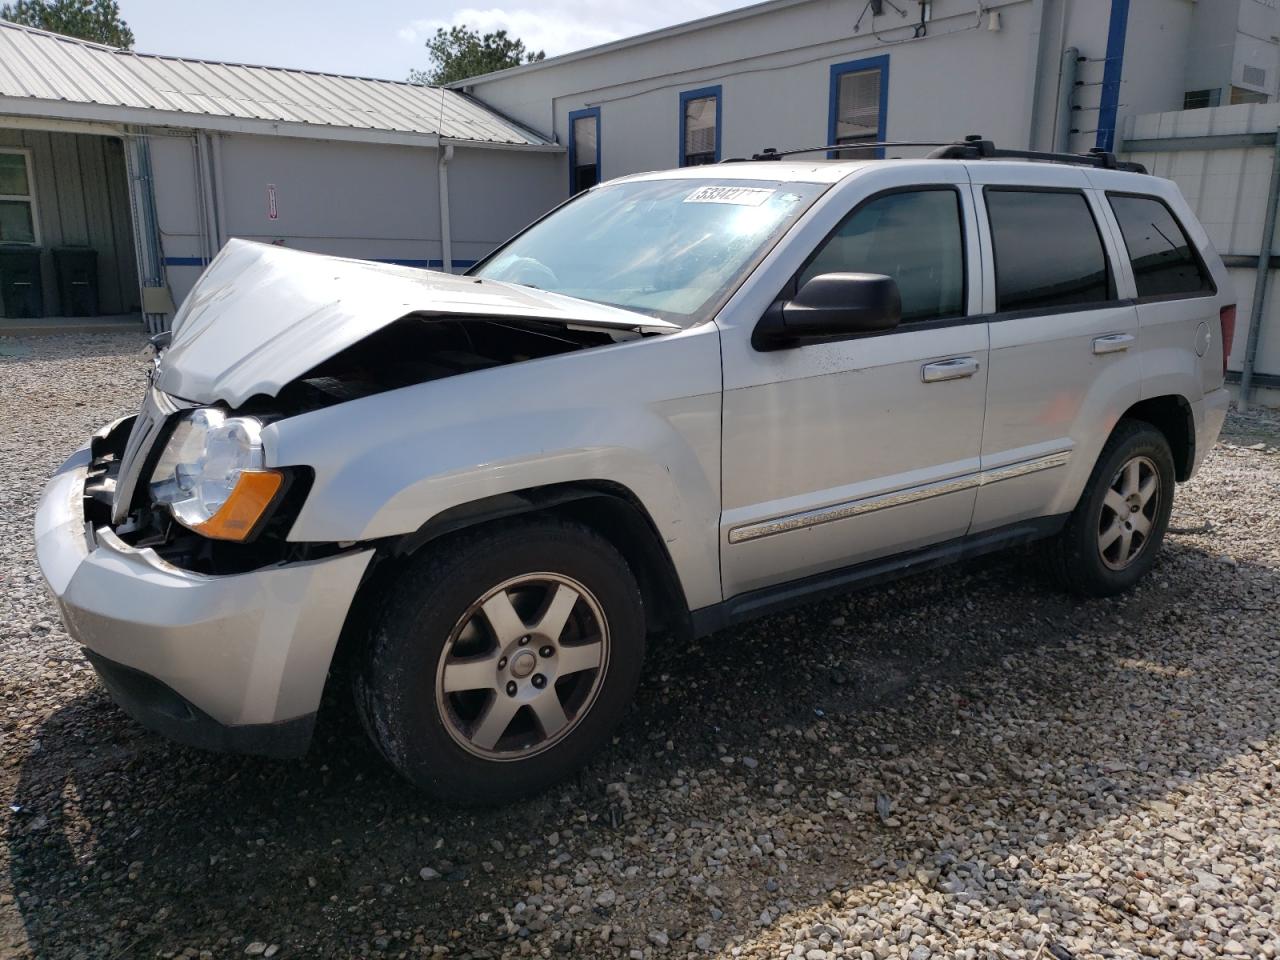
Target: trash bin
77,271
20,289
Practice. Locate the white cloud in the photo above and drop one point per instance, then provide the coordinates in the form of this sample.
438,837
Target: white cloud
559,26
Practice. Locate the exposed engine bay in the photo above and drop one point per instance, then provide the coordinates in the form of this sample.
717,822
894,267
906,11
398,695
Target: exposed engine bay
418,349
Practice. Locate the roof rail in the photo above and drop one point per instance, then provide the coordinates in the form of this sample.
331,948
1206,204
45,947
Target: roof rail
972,147
771,153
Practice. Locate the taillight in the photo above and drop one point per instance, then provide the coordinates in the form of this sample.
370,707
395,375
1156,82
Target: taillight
1228,317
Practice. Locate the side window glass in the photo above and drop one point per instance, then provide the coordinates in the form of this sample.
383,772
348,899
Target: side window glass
1048,251
916,238
1164,262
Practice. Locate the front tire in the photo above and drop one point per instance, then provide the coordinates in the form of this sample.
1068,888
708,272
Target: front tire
1115,532
502,660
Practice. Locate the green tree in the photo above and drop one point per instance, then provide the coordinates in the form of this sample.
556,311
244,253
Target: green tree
462,52
96,20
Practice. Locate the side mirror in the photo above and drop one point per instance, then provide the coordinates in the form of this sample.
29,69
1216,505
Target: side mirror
831,305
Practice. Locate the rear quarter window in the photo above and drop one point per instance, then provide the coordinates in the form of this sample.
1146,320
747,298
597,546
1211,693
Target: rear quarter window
1165,264
1048,251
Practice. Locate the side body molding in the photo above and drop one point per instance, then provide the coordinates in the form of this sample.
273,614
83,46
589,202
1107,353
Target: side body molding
643,414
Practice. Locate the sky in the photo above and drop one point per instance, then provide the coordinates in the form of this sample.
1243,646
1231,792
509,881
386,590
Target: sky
383,38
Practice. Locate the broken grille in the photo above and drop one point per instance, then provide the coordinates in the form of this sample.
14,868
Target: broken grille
156,410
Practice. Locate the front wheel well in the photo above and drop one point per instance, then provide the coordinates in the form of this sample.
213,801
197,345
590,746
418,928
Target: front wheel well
609,509
1172,416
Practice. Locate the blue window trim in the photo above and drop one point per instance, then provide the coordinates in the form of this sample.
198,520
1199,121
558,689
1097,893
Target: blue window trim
700,94
1111,73
838,70
574,116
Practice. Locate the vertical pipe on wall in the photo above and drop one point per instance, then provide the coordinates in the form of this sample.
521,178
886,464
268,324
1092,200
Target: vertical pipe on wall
1066,99
446,239
146,231
1112,74
202,197
1258,310
1036,39
218,192
204,169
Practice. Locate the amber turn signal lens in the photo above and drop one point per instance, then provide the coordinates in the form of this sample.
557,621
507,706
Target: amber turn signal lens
252,495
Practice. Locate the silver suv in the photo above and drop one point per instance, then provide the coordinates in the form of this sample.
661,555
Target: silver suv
679,401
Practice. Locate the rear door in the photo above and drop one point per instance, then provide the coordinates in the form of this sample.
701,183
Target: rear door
1177,299
1064,361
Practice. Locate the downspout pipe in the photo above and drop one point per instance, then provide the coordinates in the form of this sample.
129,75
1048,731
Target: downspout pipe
446,240
219,205
1258,310
1036,40
204,172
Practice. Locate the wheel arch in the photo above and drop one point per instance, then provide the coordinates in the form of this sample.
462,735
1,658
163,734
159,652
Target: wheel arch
1172,415
608,508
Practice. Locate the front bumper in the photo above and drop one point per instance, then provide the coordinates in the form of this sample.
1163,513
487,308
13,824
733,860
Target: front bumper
232,662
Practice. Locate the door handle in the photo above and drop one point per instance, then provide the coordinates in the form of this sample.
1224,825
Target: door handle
1112,343
957,368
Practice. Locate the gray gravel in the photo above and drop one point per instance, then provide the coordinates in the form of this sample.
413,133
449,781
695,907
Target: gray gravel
966,764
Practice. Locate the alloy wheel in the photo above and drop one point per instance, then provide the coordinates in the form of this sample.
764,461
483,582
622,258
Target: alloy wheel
1129,511
522,666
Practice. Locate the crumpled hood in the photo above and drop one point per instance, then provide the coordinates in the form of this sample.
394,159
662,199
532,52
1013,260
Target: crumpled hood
262,315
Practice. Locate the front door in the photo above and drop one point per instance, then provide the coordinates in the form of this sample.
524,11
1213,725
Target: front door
840,452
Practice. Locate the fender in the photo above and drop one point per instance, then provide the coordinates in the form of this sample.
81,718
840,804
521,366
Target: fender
644,415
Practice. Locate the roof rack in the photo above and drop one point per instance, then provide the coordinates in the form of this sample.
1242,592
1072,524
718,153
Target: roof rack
771,153
972,147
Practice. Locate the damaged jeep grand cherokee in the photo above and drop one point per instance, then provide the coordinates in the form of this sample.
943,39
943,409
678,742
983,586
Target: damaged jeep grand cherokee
681,400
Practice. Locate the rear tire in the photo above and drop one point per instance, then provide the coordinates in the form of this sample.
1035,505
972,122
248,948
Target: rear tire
1115,532
501,660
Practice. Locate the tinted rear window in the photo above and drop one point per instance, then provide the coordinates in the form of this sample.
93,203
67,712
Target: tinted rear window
1164,263
1047,248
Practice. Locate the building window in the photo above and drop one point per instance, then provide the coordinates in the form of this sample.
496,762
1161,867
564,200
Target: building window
1241,95
859,102
700,127
1048,250
584,149
1199,99
17,198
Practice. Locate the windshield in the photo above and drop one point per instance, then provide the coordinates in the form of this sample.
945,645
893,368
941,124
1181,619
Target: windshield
673,249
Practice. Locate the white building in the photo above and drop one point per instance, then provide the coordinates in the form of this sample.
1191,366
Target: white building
149,163
1039,74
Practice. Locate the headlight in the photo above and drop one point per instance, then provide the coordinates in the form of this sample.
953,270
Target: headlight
211,475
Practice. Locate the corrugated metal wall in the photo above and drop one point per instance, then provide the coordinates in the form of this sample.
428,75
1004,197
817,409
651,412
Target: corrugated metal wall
370,201
82,193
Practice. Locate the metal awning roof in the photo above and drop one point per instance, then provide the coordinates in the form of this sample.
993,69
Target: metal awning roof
46,74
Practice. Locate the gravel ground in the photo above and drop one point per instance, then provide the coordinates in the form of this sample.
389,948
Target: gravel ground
967,764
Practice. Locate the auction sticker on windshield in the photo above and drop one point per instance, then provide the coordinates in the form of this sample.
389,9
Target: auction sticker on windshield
742,196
